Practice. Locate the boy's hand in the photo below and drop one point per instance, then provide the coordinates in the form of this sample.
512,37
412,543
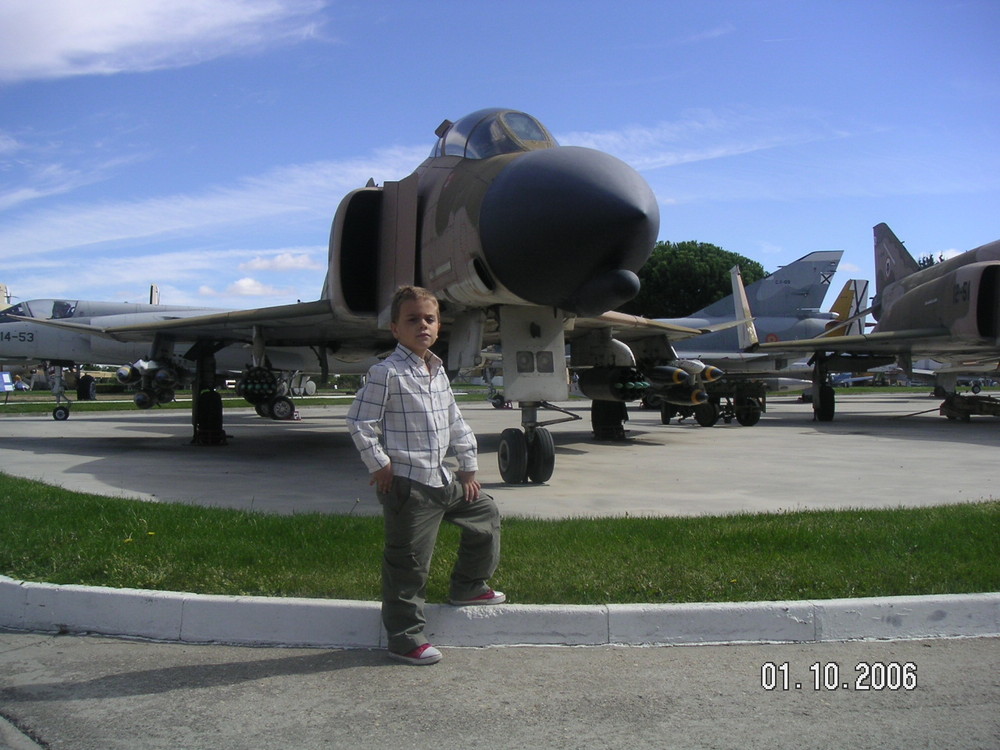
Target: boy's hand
469,483
382,479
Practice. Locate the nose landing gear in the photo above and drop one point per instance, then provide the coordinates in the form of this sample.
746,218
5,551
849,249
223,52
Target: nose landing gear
530,456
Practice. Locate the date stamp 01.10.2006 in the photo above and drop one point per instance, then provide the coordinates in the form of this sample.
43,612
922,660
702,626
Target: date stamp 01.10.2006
866,676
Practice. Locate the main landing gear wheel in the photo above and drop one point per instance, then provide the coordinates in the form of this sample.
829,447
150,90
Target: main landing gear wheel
824,410
607,418
282,408
60,413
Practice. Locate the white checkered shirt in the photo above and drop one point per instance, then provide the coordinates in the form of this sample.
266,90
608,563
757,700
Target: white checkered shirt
407,415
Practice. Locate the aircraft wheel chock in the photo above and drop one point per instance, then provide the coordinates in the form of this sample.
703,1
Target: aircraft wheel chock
512,456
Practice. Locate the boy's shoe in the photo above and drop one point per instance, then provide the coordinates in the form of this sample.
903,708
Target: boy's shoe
490,597
425,654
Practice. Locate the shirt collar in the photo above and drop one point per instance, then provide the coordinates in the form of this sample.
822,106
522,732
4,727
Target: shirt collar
433,361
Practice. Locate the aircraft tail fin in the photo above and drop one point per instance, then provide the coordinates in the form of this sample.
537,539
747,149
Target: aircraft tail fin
850,309
746,331
892,260
4,296
798,286
154,294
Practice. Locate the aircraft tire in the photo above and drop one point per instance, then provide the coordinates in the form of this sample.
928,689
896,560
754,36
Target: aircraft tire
827,405
512,456
60,413
541,456
748,413
667,412
282,408
706,414
607,418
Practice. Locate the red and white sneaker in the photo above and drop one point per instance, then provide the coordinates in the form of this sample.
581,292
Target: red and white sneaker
425,654
490,597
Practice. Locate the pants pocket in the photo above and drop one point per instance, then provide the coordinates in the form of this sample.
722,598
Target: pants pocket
397,496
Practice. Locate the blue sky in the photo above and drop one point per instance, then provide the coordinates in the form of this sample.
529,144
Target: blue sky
204,145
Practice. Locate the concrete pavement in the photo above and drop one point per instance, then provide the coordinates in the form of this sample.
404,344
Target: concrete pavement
85,693
107,693
872,455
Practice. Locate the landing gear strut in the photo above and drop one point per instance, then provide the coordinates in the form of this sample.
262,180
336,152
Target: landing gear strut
61,412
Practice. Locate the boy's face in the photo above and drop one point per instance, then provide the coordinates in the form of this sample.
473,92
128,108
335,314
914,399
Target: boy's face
418,325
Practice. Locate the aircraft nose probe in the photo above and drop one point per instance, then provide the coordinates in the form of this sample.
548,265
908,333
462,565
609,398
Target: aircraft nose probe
568,227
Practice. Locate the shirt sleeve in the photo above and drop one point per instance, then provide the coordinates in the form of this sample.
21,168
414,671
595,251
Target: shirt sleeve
463,440
364,418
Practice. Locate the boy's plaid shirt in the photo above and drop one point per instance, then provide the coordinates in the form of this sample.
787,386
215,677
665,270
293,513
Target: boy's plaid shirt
407,415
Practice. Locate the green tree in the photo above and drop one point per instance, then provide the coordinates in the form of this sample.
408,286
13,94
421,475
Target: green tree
680,278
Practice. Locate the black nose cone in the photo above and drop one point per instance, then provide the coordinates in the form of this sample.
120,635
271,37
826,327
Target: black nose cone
568,227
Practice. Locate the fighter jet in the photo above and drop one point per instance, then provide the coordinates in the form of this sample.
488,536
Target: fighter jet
949,312
526,244
65,333
784,306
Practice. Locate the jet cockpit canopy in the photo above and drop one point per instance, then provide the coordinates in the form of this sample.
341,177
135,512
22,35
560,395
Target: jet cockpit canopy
43,308
490,132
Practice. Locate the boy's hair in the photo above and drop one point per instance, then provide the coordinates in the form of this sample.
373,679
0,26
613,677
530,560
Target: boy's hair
408,293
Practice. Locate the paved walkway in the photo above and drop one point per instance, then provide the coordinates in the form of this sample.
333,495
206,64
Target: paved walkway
872,455
105,694
88,692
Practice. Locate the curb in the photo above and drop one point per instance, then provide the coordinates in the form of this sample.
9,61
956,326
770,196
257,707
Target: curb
331,623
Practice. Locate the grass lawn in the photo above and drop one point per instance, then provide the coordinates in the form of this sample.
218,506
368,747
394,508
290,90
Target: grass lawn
57,536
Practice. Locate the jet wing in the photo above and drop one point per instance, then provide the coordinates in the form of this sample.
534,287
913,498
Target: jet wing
886,342
300,324
633,327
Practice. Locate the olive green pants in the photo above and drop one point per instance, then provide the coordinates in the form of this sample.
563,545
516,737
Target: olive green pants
413,513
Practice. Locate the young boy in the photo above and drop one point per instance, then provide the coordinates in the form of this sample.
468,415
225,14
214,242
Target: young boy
403,422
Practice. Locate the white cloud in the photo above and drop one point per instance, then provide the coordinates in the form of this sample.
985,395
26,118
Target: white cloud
283,261
703,135
247,287
59,38
48,179
303,189
8,144
178,274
